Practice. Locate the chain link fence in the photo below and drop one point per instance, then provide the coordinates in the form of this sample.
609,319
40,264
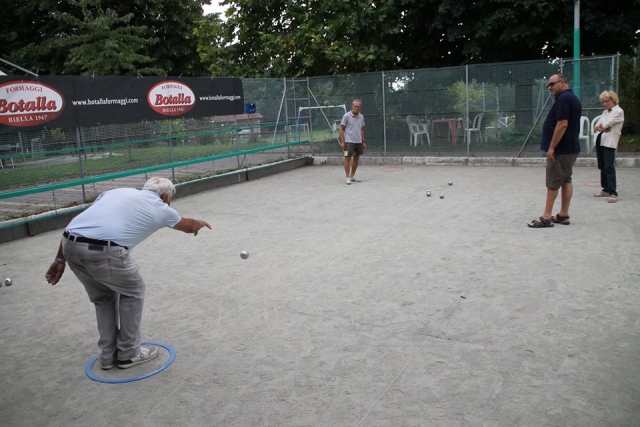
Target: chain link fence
485,110
472,111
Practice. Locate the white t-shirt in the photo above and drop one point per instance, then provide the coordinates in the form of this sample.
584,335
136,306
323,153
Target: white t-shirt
125,216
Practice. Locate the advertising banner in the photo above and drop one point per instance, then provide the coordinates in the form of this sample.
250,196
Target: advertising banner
72,101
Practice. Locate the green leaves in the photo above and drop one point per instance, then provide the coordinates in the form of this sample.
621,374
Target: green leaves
102,43
290,38
277,38
137,36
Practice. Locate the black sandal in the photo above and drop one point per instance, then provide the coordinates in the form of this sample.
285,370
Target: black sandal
559,219
540,223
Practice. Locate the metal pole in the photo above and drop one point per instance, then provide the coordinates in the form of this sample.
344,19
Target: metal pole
236,137
287,128
21,142
275,128
533,125
79,145
19,68
173,170
310,121
384,117
467,132
576,49
617,67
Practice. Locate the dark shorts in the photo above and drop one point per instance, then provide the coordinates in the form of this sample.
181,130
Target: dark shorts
559,171
350,149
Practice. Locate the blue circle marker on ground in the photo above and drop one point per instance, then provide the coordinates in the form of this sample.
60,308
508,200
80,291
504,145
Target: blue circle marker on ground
172,357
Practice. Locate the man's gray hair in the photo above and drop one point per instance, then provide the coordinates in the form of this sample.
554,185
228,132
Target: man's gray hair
161,186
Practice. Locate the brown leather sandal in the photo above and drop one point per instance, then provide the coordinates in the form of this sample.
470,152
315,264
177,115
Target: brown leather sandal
540,223
559,219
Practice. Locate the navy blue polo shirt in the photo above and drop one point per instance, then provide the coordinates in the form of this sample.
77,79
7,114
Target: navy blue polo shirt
566,107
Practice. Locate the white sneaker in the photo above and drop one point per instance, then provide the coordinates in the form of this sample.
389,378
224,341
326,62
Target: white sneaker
348,181
354,179
144,355
109,366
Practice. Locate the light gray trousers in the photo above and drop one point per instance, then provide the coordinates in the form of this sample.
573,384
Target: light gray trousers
106,273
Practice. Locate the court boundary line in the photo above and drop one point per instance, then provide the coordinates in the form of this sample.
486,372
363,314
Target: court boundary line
411,359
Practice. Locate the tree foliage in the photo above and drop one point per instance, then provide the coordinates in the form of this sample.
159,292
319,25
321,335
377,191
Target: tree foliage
318,37
39,34
103,43
298,37
276,38
517,30
173,23
211,41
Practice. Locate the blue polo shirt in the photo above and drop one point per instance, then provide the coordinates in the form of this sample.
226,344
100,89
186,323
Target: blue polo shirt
566,107
125,216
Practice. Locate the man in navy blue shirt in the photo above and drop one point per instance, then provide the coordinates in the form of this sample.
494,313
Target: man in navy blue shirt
560,133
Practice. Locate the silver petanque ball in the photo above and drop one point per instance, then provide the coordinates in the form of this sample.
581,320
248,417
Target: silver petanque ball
8,281
442,196
428,193
244,254
450,183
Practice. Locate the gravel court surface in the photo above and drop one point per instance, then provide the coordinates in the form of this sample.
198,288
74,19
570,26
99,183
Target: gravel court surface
361,305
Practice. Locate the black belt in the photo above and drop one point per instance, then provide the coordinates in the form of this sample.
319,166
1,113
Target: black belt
90,241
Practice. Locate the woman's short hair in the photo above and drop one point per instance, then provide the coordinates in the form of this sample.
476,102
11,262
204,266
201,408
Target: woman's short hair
611,95
160,186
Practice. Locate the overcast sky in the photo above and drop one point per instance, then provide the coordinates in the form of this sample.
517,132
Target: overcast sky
213,8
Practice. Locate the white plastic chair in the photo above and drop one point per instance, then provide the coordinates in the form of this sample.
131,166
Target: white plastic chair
584,133
475,127
17,147
594,134
503,122
417,129
500,123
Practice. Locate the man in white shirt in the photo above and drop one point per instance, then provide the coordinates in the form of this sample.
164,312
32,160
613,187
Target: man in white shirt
97,244
352,140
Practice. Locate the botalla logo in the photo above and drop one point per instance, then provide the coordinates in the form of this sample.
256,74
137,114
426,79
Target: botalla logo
28,103
171,98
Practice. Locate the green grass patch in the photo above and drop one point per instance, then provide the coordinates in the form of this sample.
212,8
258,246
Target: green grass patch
122,158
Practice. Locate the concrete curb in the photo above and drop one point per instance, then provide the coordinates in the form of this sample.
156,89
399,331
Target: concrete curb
624,162
34,225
